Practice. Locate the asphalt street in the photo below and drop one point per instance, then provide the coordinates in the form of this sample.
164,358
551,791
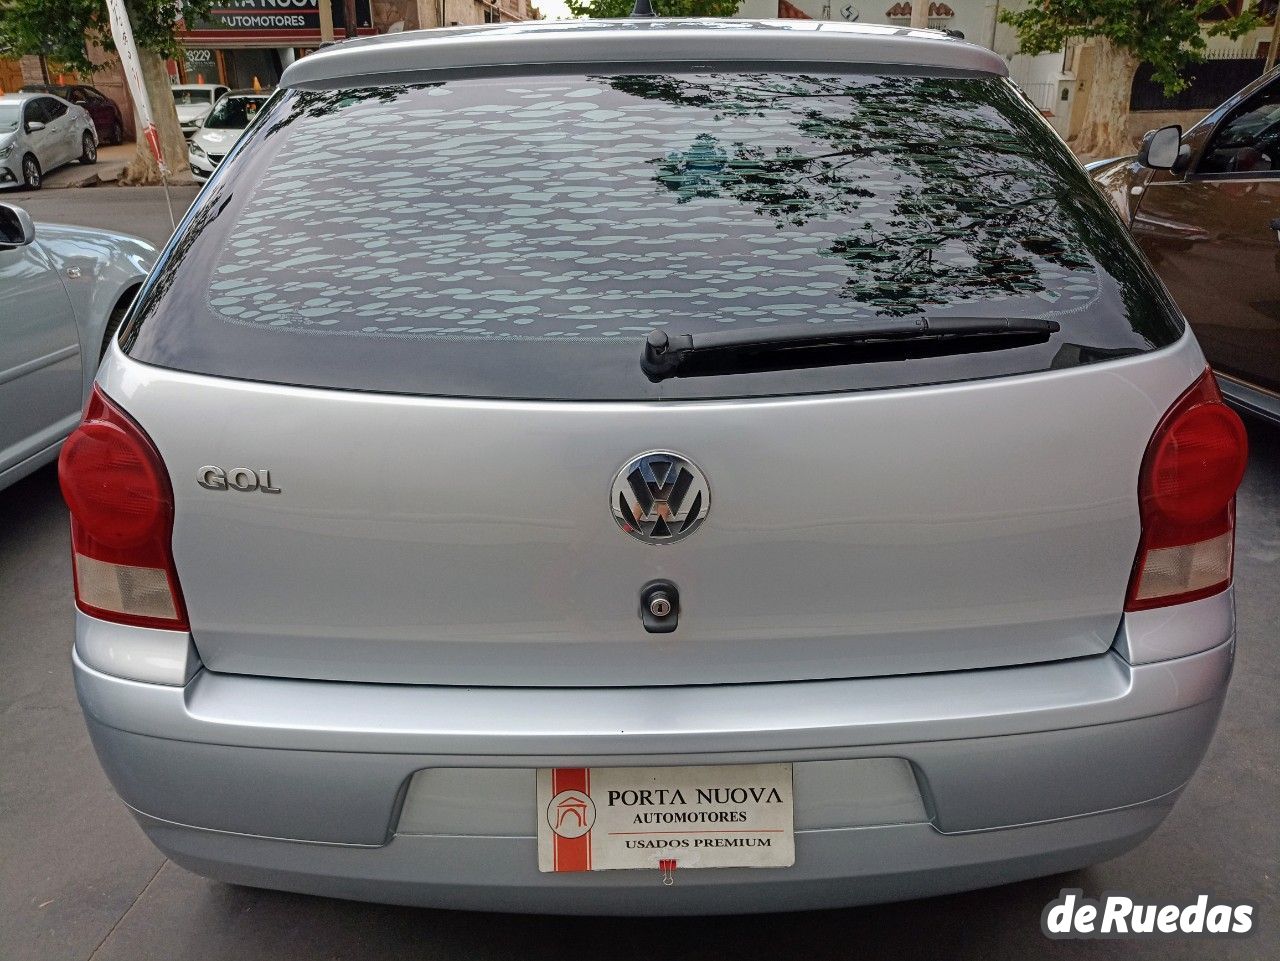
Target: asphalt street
141,211
78,880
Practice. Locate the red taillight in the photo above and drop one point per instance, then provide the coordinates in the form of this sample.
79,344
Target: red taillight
1192,468
121,521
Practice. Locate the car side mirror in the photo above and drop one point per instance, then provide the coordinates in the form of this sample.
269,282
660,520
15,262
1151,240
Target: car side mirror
1163,150
16,227
34,125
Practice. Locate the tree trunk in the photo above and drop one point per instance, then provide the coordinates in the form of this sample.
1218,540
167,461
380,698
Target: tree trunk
142,169
1104,132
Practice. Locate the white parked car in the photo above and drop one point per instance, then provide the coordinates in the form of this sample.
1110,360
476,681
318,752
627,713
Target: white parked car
229,118
39,133
193,102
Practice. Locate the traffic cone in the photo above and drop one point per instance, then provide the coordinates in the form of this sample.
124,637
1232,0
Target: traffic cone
257,87
199,78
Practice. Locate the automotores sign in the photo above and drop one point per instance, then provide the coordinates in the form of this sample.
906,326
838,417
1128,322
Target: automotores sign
270,17
665,819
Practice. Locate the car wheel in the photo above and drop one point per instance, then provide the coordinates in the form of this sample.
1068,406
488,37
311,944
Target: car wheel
32,178
117,133
88,149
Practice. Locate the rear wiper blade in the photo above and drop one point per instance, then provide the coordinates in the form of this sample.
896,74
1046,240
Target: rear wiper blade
666,355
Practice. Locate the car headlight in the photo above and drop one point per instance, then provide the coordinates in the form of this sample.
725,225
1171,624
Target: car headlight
6,150
197,150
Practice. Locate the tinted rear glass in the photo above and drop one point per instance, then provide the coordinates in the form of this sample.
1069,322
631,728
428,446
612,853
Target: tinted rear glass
518,236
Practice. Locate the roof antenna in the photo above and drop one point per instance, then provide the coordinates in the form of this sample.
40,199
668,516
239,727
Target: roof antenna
643,8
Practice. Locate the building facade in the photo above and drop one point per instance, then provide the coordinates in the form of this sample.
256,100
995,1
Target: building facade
248,42
245,41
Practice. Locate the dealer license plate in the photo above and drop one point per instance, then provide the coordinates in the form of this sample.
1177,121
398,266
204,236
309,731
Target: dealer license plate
603,819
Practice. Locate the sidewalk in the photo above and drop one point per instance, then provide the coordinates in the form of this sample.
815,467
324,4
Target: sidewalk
111,161
110,165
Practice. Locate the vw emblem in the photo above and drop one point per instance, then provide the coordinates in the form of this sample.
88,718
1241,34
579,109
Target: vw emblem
660,497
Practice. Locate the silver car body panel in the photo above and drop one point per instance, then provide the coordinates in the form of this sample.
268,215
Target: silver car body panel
427,540
669,40
914,596
56,296
835,867
314,786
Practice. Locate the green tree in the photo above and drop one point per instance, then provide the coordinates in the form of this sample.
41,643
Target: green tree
1168,34
63,30
610,9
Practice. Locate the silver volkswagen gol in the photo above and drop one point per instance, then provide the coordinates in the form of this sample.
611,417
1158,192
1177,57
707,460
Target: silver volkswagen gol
651,467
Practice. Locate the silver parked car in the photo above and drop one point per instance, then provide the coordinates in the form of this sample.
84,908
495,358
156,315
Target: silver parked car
656,466
40,133
63,293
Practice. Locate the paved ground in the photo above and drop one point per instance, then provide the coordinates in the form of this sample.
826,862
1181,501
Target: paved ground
78,880
141,211
111,161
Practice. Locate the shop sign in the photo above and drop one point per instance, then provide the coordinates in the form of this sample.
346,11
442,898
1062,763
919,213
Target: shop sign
235,17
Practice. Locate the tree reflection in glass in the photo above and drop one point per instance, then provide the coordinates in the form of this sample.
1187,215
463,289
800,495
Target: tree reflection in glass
942,195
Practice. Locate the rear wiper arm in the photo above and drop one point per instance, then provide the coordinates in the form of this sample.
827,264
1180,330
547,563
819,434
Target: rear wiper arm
665,354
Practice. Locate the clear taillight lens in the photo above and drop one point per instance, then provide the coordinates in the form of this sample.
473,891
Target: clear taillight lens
1192,469
121,521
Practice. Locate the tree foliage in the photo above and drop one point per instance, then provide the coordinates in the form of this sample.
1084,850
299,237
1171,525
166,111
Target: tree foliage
988,211
62,30
1168,34
609,9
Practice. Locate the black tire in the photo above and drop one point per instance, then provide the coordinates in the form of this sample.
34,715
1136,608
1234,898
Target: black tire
88,149
114,321
117,133
32,175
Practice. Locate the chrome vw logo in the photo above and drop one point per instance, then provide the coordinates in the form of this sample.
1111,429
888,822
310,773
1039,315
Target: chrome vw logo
660,497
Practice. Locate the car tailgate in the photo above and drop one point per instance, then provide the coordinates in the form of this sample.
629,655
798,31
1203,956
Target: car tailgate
452,541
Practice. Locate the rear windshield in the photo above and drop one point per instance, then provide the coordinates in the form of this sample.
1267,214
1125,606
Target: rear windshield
518,236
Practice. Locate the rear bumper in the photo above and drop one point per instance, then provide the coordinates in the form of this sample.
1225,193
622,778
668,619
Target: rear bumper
302,785
834,868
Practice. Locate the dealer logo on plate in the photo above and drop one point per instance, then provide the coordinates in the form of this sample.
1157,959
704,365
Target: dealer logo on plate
571,814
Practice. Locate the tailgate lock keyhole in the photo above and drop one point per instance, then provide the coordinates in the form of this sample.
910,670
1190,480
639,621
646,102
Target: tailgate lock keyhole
659,607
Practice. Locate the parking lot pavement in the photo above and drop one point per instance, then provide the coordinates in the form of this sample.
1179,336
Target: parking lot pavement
141,211
111,162
78,880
